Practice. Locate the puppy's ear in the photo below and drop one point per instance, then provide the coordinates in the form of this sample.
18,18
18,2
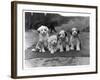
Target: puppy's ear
78,31
70,32
38,30
58,36
66,34
47,29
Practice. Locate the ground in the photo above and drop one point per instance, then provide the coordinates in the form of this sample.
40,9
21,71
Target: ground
37,59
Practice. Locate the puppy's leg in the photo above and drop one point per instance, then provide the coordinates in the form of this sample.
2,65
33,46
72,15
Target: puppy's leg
49,47
61,48
37,47
40,46
67,47
52,51
40,50
55,49
78,46
43,48
72,46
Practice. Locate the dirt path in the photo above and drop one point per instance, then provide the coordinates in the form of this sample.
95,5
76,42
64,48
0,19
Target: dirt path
57,61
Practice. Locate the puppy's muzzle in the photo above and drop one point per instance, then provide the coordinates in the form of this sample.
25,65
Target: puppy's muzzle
54,43
74,33
44,33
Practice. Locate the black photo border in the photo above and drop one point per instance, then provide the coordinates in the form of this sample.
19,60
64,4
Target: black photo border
14,38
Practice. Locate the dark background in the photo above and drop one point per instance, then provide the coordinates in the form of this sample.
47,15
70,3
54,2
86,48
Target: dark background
35,20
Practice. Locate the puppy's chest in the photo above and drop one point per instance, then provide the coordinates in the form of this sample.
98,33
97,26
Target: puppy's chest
43,38
63,40
75,40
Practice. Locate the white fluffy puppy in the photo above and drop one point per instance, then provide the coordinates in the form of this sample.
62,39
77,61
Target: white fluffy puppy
43,36
75,40
63,41
52,44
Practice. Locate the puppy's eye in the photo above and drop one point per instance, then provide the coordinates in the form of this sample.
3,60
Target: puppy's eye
44,29
59,34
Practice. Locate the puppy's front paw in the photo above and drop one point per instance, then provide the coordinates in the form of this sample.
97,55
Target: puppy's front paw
52,52
40,50
78,49
43,50
33,49
72,48
61,50
67,49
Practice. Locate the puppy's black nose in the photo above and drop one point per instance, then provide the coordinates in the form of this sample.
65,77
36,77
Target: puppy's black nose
54,42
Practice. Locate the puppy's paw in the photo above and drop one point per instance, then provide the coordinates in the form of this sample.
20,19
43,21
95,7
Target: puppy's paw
78,49
67,49
40,50
52,52
43,50
61,50
33,49
72,48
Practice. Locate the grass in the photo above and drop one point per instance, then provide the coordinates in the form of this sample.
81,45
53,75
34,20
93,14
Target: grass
84,36
37,59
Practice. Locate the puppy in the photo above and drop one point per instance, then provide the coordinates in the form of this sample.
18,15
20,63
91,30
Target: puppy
52,44
63,41
43,36
75,40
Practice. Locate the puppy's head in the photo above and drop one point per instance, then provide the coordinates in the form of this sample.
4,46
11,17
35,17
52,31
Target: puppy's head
43,30
75,32
62,34
52,40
